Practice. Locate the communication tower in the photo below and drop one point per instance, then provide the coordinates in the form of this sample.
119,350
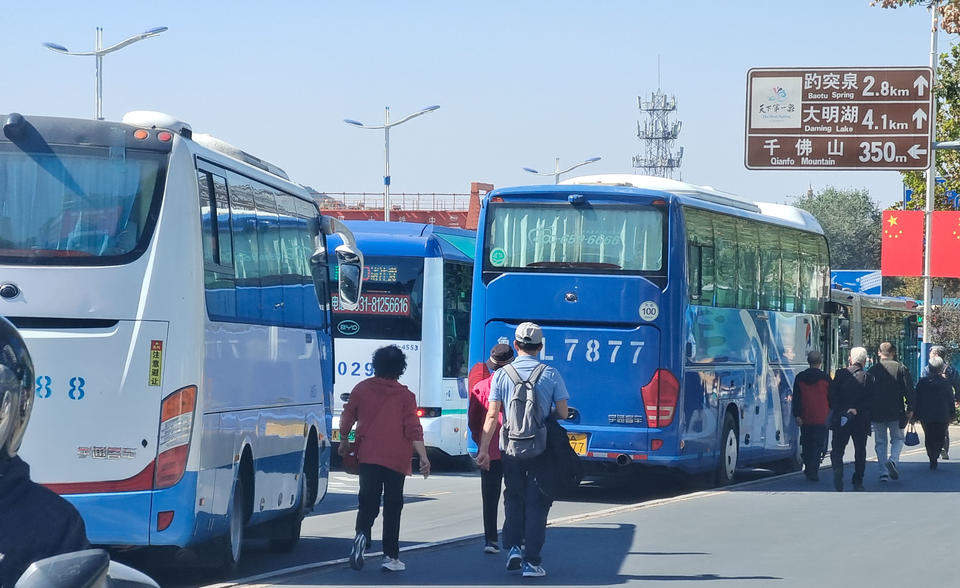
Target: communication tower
660,157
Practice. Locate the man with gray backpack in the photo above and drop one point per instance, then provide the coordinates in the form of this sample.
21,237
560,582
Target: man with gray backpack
528,392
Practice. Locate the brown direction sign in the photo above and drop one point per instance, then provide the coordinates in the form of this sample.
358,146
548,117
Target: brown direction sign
838,118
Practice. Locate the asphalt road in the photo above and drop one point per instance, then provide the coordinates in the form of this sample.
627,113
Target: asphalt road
780,531
611,548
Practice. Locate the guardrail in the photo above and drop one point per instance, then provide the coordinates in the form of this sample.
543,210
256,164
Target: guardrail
448,201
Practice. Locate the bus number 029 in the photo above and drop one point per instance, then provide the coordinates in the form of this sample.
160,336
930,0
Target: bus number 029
355,368
592,353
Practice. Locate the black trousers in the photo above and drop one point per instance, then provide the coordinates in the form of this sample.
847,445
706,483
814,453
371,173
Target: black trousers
841,436
933,438
377,481
491,484
813,440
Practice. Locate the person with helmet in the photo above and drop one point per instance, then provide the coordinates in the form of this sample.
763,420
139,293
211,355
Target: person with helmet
35,523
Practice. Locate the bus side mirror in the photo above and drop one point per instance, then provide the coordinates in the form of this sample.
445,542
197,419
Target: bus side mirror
349,282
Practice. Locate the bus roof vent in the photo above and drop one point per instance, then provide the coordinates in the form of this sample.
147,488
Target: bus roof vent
215,144
705,193
156,120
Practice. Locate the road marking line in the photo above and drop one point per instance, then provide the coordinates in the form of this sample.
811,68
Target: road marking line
552,522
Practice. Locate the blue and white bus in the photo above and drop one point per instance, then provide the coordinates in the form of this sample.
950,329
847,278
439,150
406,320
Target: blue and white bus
165,283
417,283
677,314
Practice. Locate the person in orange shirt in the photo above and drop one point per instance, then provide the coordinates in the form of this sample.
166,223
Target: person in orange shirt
491,480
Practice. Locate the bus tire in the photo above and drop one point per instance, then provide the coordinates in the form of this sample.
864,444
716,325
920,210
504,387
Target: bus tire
729,451
230,547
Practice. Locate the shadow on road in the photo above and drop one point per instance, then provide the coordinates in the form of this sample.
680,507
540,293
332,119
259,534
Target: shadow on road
915,477
594,554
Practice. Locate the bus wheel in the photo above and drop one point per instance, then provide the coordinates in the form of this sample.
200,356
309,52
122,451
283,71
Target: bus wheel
286,531
230,548
729,451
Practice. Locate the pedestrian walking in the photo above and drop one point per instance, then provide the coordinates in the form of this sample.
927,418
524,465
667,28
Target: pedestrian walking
530,393
388,431
953,376
491,478
934,408
850,402
891,397
811,408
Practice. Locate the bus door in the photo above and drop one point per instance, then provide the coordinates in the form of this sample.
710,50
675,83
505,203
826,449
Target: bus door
754,416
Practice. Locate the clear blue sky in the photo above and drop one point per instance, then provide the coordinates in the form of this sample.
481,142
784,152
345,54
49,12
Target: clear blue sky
518,82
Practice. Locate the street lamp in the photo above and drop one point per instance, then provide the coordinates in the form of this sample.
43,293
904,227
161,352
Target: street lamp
99,52
557,171
386,147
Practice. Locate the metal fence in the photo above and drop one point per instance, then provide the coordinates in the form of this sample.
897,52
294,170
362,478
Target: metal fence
447,201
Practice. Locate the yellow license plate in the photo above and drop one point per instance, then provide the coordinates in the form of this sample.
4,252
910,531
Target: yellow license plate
335,435
578,441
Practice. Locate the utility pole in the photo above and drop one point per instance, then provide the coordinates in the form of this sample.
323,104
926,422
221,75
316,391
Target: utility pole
931,188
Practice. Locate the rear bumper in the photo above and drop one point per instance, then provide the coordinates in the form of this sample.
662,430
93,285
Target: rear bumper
617,445
130,518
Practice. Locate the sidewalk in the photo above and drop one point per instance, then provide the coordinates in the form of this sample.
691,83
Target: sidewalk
783,531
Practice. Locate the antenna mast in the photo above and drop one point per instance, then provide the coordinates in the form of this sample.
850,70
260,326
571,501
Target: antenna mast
660,156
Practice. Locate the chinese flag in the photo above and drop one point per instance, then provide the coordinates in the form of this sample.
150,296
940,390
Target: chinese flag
902,243
945,244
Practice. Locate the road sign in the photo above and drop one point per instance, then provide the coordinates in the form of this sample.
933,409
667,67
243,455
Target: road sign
838,118
864,281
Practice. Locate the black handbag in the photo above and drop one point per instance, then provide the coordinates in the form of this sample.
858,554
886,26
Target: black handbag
911,439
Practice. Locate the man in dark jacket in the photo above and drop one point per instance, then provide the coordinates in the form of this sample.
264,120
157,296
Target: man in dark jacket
35,523
810,408
952,376
891,395
850,403
934,407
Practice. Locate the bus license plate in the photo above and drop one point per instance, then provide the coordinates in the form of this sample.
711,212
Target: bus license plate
335,436
578,441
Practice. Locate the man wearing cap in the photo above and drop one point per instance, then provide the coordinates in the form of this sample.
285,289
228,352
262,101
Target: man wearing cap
526,506
491,479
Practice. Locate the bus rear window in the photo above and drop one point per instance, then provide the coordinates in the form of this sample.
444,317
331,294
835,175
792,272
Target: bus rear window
561,237
390,304
77,205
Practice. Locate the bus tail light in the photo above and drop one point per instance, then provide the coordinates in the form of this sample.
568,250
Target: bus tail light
176,425
660,398
428,412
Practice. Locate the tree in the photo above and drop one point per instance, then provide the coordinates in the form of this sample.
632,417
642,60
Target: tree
945,322
851,223
947,92
949,10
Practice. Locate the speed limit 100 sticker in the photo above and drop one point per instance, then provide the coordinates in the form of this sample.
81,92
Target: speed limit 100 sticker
649,310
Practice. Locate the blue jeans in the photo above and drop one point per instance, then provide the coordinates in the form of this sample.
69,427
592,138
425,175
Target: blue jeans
525,508
880,435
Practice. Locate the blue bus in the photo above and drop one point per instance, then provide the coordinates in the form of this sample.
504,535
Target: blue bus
678,315
416,295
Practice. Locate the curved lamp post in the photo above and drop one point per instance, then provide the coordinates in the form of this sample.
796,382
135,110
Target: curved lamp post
99,52
557,171
386,147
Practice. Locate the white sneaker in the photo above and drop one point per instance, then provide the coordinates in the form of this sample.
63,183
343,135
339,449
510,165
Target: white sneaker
392,565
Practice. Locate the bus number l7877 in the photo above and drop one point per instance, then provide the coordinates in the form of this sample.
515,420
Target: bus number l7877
594,351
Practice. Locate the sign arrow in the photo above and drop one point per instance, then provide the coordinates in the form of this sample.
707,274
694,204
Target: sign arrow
915,151
919,116
919,84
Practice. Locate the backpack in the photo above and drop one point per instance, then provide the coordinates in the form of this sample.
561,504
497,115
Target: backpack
524,434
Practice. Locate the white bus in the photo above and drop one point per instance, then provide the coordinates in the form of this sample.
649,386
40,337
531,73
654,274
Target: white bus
164,282
417,282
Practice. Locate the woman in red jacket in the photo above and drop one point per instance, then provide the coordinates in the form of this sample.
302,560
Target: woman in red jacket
388,430
491,480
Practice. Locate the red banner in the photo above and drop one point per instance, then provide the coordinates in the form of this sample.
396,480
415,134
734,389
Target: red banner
902,243
945,244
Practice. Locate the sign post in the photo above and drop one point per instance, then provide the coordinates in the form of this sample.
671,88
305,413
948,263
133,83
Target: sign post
839,118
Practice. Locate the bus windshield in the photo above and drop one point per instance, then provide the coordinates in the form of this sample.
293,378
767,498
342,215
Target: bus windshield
558,237
77,205
391,303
